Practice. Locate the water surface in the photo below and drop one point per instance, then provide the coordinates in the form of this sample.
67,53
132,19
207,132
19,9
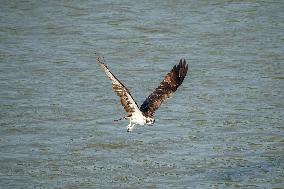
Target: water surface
222,129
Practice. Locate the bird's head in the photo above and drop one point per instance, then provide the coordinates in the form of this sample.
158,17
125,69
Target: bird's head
150,120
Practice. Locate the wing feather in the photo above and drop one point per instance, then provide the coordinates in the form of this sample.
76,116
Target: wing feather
127,101
168,86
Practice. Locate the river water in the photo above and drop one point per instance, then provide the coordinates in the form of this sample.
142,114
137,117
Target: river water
223,128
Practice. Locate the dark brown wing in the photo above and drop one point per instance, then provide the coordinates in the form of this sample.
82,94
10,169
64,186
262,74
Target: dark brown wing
127,101
169,85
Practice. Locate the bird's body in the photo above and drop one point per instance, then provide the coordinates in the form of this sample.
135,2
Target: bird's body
145,114
136,118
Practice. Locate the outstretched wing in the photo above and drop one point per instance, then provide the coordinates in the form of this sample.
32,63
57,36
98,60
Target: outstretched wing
126,99
169,85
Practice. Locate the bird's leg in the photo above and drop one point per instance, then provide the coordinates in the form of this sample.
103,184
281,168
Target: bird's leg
119,119
130,127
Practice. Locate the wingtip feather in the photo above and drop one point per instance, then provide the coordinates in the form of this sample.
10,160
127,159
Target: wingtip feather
101,62
182,68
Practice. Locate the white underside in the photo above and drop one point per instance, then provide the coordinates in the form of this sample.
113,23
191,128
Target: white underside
136,119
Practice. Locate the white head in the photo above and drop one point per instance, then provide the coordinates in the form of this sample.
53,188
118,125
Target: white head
150,120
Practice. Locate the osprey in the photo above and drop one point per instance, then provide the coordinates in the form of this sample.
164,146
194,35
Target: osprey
145,114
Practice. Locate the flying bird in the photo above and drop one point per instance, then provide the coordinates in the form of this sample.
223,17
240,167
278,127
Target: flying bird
145,114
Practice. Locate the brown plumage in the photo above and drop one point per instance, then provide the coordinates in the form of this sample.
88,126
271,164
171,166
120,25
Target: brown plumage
126,99
169,85
145,114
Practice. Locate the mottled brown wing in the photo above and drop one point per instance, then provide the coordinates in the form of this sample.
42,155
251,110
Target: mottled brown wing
126,99
169,85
